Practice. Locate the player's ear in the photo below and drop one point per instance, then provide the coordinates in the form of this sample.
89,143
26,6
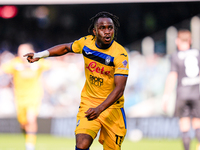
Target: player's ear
94,31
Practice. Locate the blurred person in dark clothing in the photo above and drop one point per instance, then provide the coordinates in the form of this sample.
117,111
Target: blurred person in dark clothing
185,67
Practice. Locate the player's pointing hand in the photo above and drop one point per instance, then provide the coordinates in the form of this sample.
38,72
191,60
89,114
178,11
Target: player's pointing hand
30,57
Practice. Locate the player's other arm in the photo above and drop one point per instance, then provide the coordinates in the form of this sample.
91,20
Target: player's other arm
169,86
170,82
57,50
120,83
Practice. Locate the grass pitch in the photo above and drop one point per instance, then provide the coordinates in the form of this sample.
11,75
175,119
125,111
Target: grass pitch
49,142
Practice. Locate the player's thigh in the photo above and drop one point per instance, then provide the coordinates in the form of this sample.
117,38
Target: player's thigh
181,109
195,104
184,124
27,111
110,140
83,126
196,123
21,113
114,128
195,114
32,112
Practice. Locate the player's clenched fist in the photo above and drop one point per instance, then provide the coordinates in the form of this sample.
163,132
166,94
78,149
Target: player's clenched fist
92,113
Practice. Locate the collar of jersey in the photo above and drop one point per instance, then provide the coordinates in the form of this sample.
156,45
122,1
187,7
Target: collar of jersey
104,48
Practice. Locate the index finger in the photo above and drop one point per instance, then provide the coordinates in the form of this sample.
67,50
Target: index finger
25,55
28,54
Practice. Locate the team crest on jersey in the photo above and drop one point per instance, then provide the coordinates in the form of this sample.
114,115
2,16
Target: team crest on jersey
107,60
77,124
125,63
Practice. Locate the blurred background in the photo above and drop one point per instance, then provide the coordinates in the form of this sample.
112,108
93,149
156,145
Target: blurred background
148,31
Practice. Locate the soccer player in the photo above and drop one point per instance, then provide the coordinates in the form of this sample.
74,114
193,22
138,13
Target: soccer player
106,71
28,91
185,65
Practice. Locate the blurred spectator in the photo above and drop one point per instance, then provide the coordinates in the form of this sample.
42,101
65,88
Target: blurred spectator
7,107
61,98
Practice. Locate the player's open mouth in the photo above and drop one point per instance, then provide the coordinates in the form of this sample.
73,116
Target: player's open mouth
107,39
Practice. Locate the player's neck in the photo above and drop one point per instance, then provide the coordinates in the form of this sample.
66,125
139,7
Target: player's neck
103,46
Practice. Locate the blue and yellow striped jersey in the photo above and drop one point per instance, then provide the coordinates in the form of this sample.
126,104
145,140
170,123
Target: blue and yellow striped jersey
101,65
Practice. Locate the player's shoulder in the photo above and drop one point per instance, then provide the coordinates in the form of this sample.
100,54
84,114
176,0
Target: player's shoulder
87,38
184,54
15,60
119,46
120,50
11,63
175,56
194,51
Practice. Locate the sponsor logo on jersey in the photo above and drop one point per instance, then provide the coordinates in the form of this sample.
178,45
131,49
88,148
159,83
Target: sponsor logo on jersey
125,63
77,124
88,53
123,54
96,80
92,67
107,60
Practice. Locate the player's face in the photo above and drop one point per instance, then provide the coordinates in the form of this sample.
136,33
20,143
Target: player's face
104,32
24,49
183,41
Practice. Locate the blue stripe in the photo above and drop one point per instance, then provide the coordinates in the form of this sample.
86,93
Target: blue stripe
81,149
124,116
125,75
99,54
71,47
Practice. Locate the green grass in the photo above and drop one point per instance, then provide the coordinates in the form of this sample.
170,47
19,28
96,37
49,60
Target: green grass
48,142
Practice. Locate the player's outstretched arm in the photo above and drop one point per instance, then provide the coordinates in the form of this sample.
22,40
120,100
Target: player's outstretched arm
120,82
57,50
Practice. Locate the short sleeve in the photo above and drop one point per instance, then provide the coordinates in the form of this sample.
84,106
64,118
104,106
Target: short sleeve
121,64
78,45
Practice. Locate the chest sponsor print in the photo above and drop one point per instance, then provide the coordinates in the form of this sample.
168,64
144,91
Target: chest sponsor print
92,67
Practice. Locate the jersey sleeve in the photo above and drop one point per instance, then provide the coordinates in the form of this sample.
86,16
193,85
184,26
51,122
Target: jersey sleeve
121,64
77,46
